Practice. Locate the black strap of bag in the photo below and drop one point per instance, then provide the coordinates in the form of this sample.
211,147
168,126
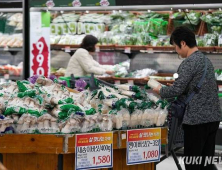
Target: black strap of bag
199,85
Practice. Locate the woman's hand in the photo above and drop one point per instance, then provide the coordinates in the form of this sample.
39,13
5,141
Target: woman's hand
157,89
109,72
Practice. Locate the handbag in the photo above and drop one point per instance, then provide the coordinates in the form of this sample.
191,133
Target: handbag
177,108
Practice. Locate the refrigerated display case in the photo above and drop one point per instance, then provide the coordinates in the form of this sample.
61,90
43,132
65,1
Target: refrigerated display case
11,40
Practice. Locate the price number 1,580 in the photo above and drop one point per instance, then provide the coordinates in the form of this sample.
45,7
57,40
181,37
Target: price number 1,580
101,160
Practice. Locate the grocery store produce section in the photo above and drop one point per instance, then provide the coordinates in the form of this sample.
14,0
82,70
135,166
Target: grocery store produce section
41,117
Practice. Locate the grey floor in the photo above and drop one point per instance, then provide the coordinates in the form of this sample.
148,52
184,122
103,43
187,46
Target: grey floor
169,164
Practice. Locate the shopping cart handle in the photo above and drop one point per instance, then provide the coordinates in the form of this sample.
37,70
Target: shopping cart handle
105,83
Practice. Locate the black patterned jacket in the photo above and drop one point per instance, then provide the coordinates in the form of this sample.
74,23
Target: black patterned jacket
205,106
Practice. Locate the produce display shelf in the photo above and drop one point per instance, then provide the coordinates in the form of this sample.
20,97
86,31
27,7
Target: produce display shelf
130,48
137,81
11,77
51,151
207,49
219,49
11,49
75,47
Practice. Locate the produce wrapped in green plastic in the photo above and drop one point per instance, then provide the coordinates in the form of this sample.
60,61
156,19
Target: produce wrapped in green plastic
129,40
157,42
217,13
116,39
140,26
143,39
213,19
216,29
115,28
157,27
89,28
100,28
81,28
72,27
59,29
53,29
65,29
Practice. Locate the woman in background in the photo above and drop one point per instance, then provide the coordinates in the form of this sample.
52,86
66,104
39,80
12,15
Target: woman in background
82,62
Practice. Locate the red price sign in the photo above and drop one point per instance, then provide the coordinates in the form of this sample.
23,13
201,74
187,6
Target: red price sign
40,58
143,146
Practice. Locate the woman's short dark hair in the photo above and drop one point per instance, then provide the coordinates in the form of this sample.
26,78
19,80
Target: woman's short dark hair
89,43
183,33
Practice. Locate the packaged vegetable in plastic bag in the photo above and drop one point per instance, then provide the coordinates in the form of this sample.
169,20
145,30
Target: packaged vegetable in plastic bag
148,118
65,39
47,124
140,26
65,29
200,41
157,27
59,29
81,28
106,123
143,39
89,123
156,113
72,27
5,123
72,125
155,42
130,39
192,17
216,29
162,117
89,28
100,28
210,40
126,118
178,15
26,124
135,118
220,40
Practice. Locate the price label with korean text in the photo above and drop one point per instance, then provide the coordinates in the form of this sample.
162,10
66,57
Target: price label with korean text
143,146
94,151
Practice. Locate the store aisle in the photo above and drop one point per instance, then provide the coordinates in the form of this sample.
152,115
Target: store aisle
169,164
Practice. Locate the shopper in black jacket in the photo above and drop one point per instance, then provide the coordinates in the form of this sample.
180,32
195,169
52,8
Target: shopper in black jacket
203,113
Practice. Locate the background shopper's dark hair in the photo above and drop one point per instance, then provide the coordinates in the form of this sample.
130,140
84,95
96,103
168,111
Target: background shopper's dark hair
89,43
183,33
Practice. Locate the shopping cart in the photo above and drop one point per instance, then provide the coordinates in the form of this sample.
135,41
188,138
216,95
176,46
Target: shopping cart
176,138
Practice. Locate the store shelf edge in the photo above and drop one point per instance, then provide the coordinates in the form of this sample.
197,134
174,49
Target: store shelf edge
11,49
